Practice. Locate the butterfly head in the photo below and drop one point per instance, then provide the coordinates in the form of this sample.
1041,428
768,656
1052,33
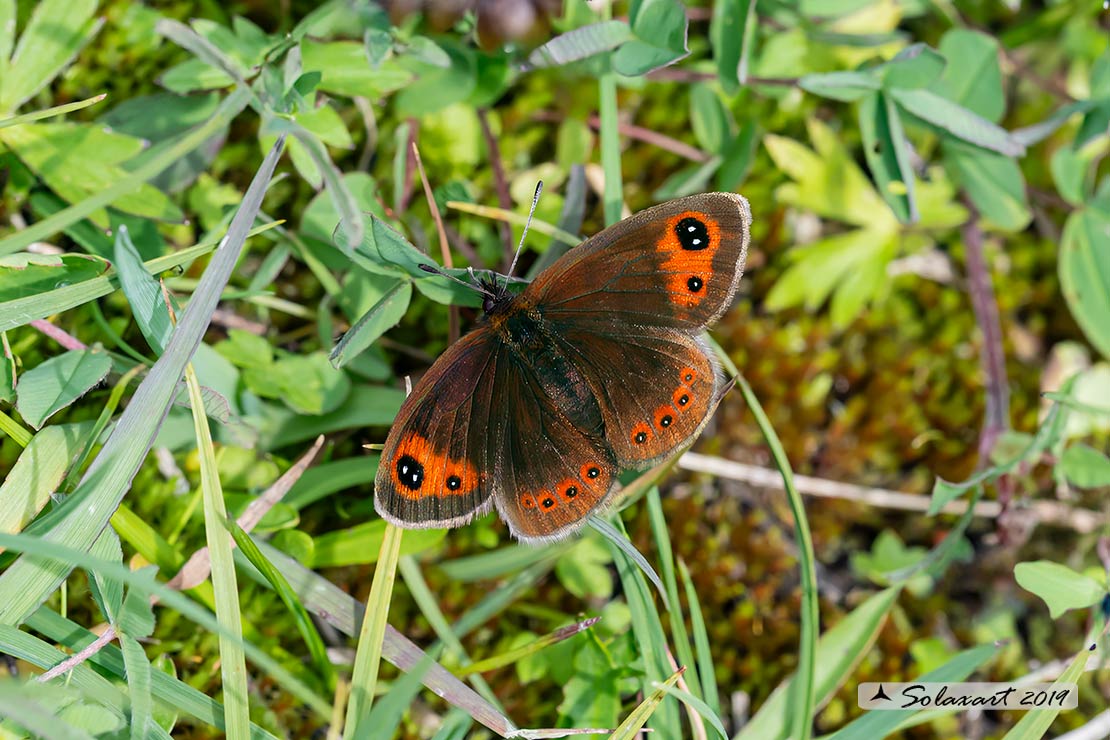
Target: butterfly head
495,295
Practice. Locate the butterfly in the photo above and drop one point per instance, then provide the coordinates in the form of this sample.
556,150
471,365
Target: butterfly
595,367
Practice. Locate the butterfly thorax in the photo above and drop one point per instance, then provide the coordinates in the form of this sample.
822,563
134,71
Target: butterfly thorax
518,323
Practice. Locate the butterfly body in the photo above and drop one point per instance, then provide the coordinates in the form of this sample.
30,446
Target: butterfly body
595,367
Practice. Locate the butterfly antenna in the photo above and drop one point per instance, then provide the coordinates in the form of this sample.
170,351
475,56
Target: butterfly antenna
535,200
475,286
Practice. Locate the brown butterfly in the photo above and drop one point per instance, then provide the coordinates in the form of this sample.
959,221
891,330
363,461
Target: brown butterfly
597,366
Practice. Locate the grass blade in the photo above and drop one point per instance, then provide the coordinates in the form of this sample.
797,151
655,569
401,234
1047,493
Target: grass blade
709,692
311,636
233,668
44,229
368,658
640,715
31,581
57,110
802,688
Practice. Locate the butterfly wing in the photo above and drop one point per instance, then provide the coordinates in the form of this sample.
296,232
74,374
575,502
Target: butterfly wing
655,388
624,309
675,265
432,470
550,473
480,426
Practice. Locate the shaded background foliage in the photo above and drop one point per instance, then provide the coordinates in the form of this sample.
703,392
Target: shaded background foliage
857,323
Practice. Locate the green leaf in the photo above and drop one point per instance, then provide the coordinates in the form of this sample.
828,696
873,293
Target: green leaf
244,349
37,712
143,292
914,67
47,227
972,77
54,110
824,266
37,474
435,88
1037,132
827,181
993,182
24,275
688,180
831,8
8,378
307,384
1069,173
660,30
320,125
884,146
1085,466
57,30
1096,123
7,34
844,86
957,121
581,43
709,118
584,569
359,545
345,71
56,383
736,160
366,406
136,618
1085,274
383,316
170,691
79,160
731,31
1060,587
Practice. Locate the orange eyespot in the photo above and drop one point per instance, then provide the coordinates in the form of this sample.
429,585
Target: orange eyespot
547,500
590,471
641,433
568,489
682,398
688,246
687,376
664,417
420,470
527,501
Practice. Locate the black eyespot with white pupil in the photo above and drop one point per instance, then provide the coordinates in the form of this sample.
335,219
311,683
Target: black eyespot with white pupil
593,472
694,284
548,502
410,472
640,437
683,400
692,234
454,482
665,421
571,492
